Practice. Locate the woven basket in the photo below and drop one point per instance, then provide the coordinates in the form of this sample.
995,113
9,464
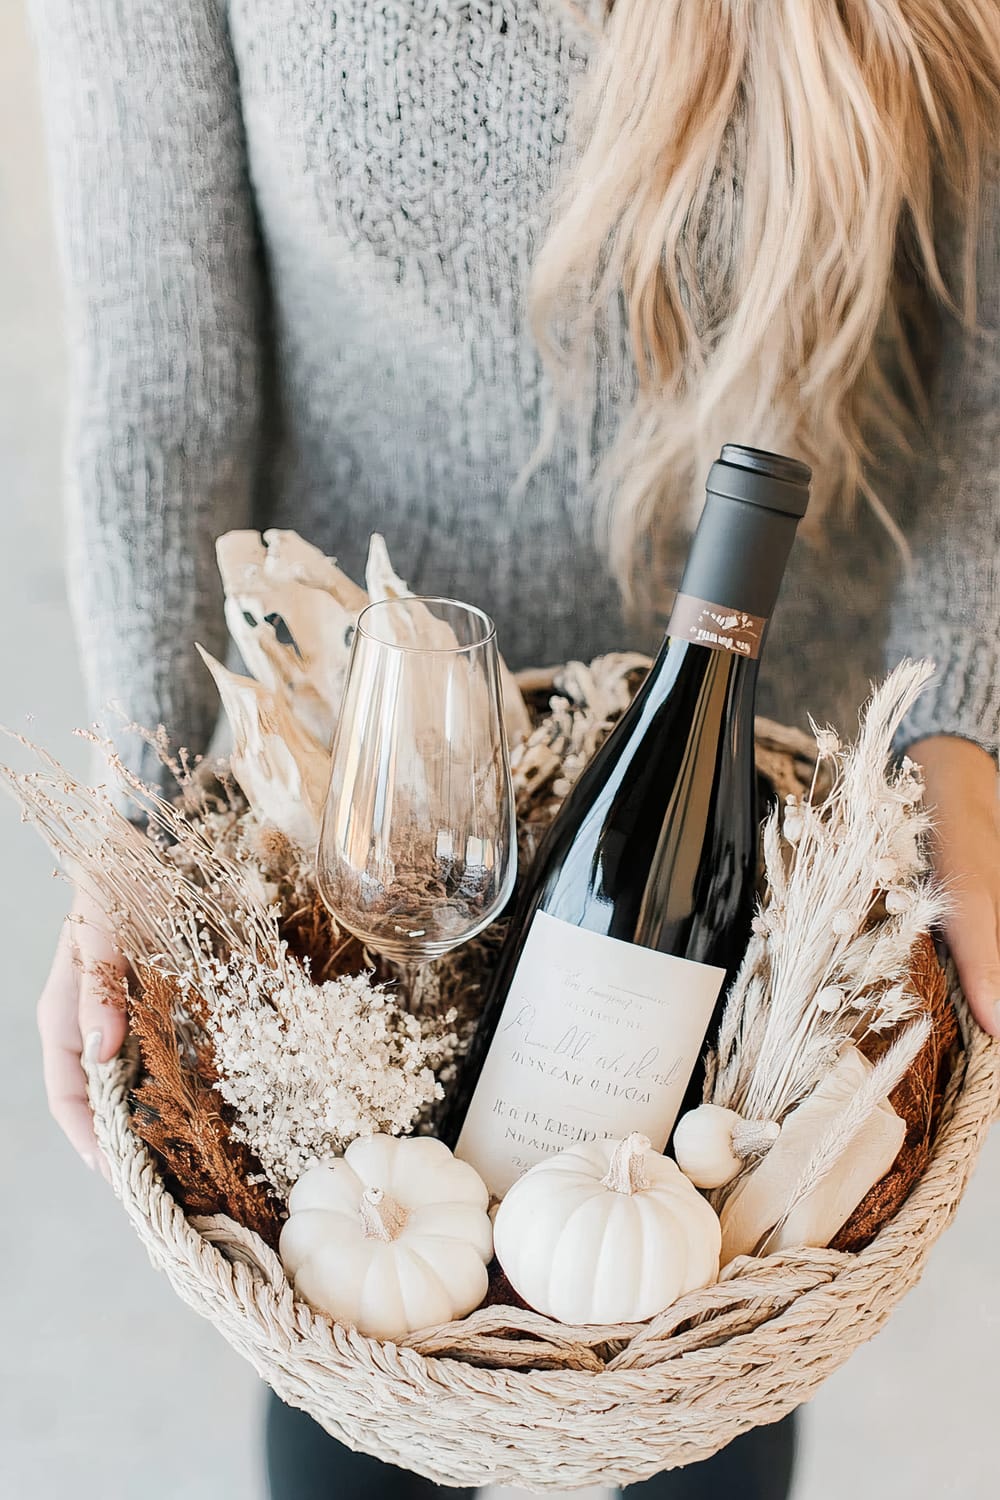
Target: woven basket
507,1396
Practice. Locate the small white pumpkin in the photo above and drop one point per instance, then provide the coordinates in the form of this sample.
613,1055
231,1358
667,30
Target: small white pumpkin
392,1237
607,1232
712,1144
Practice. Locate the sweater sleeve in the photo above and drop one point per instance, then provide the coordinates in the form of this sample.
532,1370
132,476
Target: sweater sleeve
163,293
948,606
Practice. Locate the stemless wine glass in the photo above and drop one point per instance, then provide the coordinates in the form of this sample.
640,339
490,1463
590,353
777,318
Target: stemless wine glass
417,851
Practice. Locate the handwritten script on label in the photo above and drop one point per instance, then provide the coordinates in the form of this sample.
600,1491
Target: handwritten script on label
598,1037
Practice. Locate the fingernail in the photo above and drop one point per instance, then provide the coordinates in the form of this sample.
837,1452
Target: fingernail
92,1046
91,1162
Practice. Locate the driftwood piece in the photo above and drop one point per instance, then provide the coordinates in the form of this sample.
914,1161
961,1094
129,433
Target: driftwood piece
280,767
292,613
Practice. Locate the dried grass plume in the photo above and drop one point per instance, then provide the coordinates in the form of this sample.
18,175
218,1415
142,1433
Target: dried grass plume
849,898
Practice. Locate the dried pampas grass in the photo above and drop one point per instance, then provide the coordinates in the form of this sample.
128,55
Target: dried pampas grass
849,896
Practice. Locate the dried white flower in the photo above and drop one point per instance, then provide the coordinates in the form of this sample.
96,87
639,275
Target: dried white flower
829,999
307,1068
843,923
885,870
898,900
793,829
896,1005
909,782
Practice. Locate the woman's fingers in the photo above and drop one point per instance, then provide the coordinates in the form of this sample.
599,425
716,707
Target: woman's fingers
74,1013
59,1029
961,782
974,943
101,1014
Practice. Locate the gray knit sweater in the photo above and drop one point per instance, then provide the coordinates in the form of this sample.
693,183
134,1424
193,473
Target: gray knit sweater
296,237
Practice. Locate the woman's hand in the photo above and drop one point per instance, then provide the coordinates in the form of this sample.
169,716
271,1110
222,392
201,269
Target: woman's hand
962,795
74,1014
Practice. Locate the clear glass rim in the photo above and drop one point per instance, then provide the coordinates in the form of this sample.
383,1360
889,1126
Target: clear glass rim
489,628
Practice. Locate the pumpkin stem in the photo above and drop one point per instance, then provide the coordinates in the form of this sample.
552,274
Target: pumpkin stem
753,1138
383,1218
626,1173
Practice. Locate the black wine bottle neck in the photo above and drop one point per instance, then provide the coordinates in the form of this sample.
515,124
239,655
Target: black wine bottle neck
738,556
737,560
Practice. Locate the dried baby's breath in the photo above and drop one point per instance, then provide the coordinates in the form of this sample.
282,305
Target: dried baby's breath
308,1068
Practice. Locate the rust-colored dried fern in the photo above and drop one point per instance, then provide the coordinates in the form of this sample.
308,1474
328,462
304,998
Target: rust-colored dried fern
180,1115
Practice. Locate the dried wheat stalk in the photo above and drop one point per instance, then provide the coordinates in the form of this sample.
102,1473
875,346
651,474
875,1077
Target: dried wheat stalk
848,896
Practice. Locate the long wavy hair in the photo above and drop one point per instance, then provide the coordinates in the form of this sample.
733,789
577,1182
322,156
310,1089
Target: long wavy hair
750,179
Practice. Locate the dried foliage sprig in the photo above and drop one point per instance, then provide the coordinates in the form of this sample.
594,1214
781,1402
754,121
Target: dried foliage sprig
162,910
180,1113
849,895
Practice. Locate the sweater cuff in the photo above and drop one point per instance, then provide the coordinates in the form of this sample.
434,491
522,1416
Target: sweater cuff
963,696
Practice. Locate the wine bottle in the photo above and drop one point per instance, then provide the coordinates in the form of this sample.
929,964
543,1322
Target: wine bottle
638,905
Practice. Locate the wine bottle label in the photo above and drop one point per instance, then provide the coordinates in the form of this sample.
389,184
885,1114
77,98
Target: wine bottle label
597,1038
715,626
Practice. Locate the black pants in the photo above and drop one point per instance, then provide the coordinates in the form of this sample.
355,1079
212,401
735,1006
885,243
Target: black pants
303,1463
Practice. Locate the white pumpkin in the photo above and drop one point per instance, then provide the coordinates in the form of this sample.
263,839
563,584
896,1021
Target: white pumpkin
607,1232
713,1145
392,1237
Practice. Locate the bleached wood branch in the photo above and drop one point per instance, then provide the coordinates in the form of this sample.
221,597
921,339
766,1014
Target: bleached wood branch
281,768
292,613
282,583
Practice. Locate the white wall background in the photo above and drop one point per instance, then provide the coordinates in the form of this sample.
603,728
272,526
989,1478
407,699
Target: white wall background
109,1388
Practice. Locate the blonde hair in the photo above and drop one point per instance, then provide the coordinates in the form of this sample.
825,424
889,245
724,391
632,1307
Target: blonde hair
750,175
